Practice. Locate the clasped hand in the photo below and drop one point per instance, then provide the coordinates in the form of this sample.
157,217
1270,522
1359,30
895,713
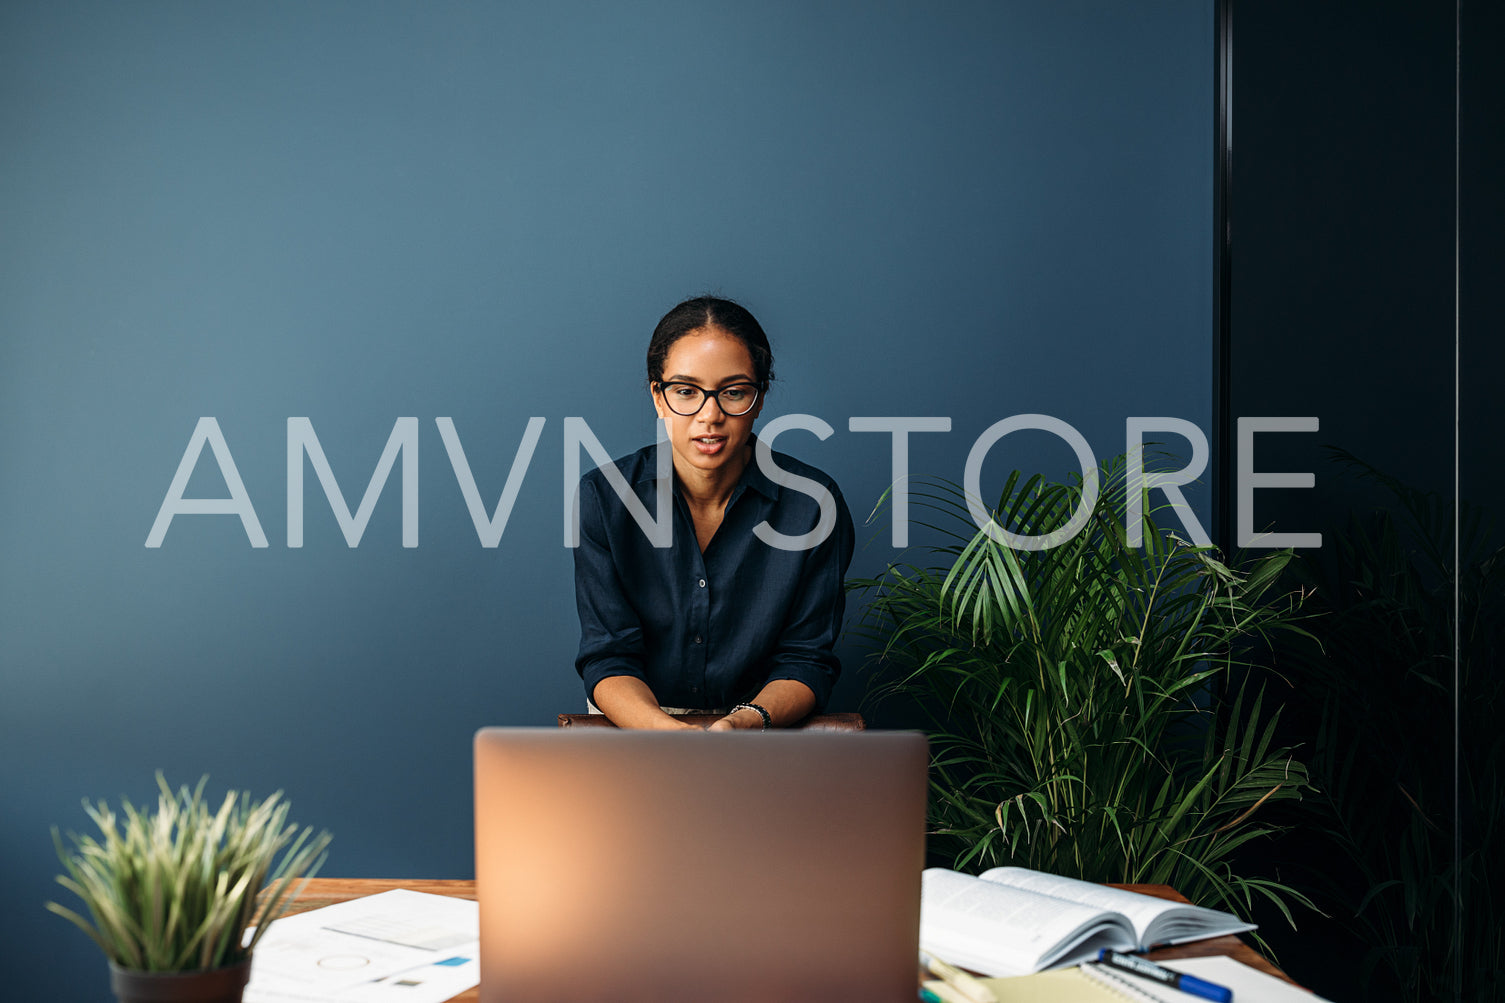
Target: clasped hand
737,719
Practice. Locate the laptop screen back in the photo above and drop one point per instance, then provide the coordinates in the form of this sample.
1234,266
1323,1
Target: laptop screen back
621,865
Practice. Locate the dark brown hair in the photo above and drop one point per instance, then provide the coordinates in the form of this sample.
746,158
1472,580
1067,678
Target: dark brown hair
711,311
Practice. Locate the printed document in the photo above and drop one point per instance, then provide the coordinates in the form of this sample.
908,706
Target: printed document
395,945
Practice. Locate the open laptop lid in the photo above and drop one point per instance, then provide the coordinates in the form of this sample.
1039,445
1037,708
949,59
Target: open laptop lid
757,866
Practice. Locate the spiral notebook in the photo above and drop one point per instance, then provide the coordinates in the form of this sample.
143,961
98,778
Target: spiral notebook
1097,984
1042,987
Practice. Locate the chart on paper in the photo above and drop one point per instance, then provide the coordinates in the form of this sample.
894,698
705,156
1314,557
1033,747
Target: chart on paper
398,944
403,932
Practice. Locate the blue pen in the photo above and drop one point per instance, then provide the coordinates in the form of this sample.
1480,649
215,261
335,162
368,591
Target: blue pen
926,996
1165,976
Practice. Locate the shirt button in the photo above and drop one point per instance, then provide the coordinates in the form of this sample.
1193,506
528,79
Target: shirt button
702,583
697,638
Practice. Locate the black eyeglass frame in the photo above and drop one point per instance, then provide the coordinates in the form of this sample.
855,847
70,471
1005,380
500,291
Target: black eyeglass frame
706,395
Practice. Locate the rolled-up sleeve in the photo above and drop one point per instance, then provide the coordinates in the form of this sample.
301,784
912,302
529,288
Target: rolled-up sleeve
611,636
805,650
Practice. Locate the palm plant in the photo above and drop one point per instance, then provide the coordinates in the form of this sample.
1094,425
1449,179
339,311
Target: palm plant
1384,686
176,890
1086,701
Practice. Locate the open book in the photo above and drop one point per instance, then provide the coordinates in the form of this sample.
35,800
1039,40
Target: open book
1011,920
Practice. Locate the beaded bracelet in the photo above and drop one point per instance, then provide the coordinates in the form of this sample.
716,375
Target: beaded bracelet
767,720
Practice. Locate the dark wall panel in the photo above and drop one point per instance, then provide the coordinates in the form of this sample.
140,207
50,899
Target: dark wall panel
1366,211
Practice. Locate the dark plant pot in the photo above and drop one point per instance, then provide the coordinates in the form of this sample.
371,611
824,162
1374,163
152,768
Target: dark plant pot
212,985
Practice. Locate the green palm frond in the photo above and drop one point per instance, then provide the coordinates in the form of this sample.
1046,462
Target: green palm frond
1086,707
1383,685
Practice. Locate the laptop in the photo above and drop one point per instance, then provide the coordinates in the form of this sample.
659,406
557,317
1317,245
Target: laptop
667,866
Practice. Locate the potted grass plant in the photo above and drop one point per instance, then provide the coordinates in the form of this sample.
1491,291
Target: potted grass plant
170,894
1086,701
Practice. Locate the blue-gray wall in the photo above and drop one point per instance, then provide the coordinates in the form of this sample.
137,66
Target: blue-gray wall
356,212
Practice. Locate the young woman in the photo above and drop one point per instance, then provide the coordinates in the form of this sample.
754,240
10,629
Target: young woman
719,621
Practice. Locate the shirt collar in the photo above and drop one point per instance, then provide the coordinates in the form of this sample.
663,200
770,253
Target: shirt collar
752,476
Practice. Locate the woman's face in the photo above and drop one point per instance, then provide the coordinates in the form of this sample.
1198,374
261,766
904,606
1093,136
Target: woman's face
711,359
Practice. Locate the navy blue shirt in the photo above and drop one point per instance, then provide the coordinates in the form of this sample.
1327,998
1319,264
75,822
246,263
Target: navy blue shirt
709,630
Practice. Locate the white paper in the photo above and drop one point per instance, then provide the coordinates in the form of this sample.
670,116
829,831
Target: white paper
1249,985
398,945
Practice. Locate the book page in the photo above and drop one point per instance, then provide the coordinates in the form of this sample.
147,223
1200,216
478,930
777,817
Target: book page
1177,921
996,929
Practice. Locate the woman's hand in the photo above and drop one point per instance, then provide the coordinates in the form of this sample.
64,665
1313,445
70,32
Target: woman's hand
786,700
629,703
736,720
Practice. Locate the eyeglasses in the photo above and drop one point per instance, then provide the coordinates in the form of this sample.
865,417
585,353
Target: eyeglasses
687,399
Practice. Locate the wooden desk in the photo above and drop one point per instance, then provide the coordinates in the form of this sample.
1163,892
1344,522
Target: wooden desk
327,891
